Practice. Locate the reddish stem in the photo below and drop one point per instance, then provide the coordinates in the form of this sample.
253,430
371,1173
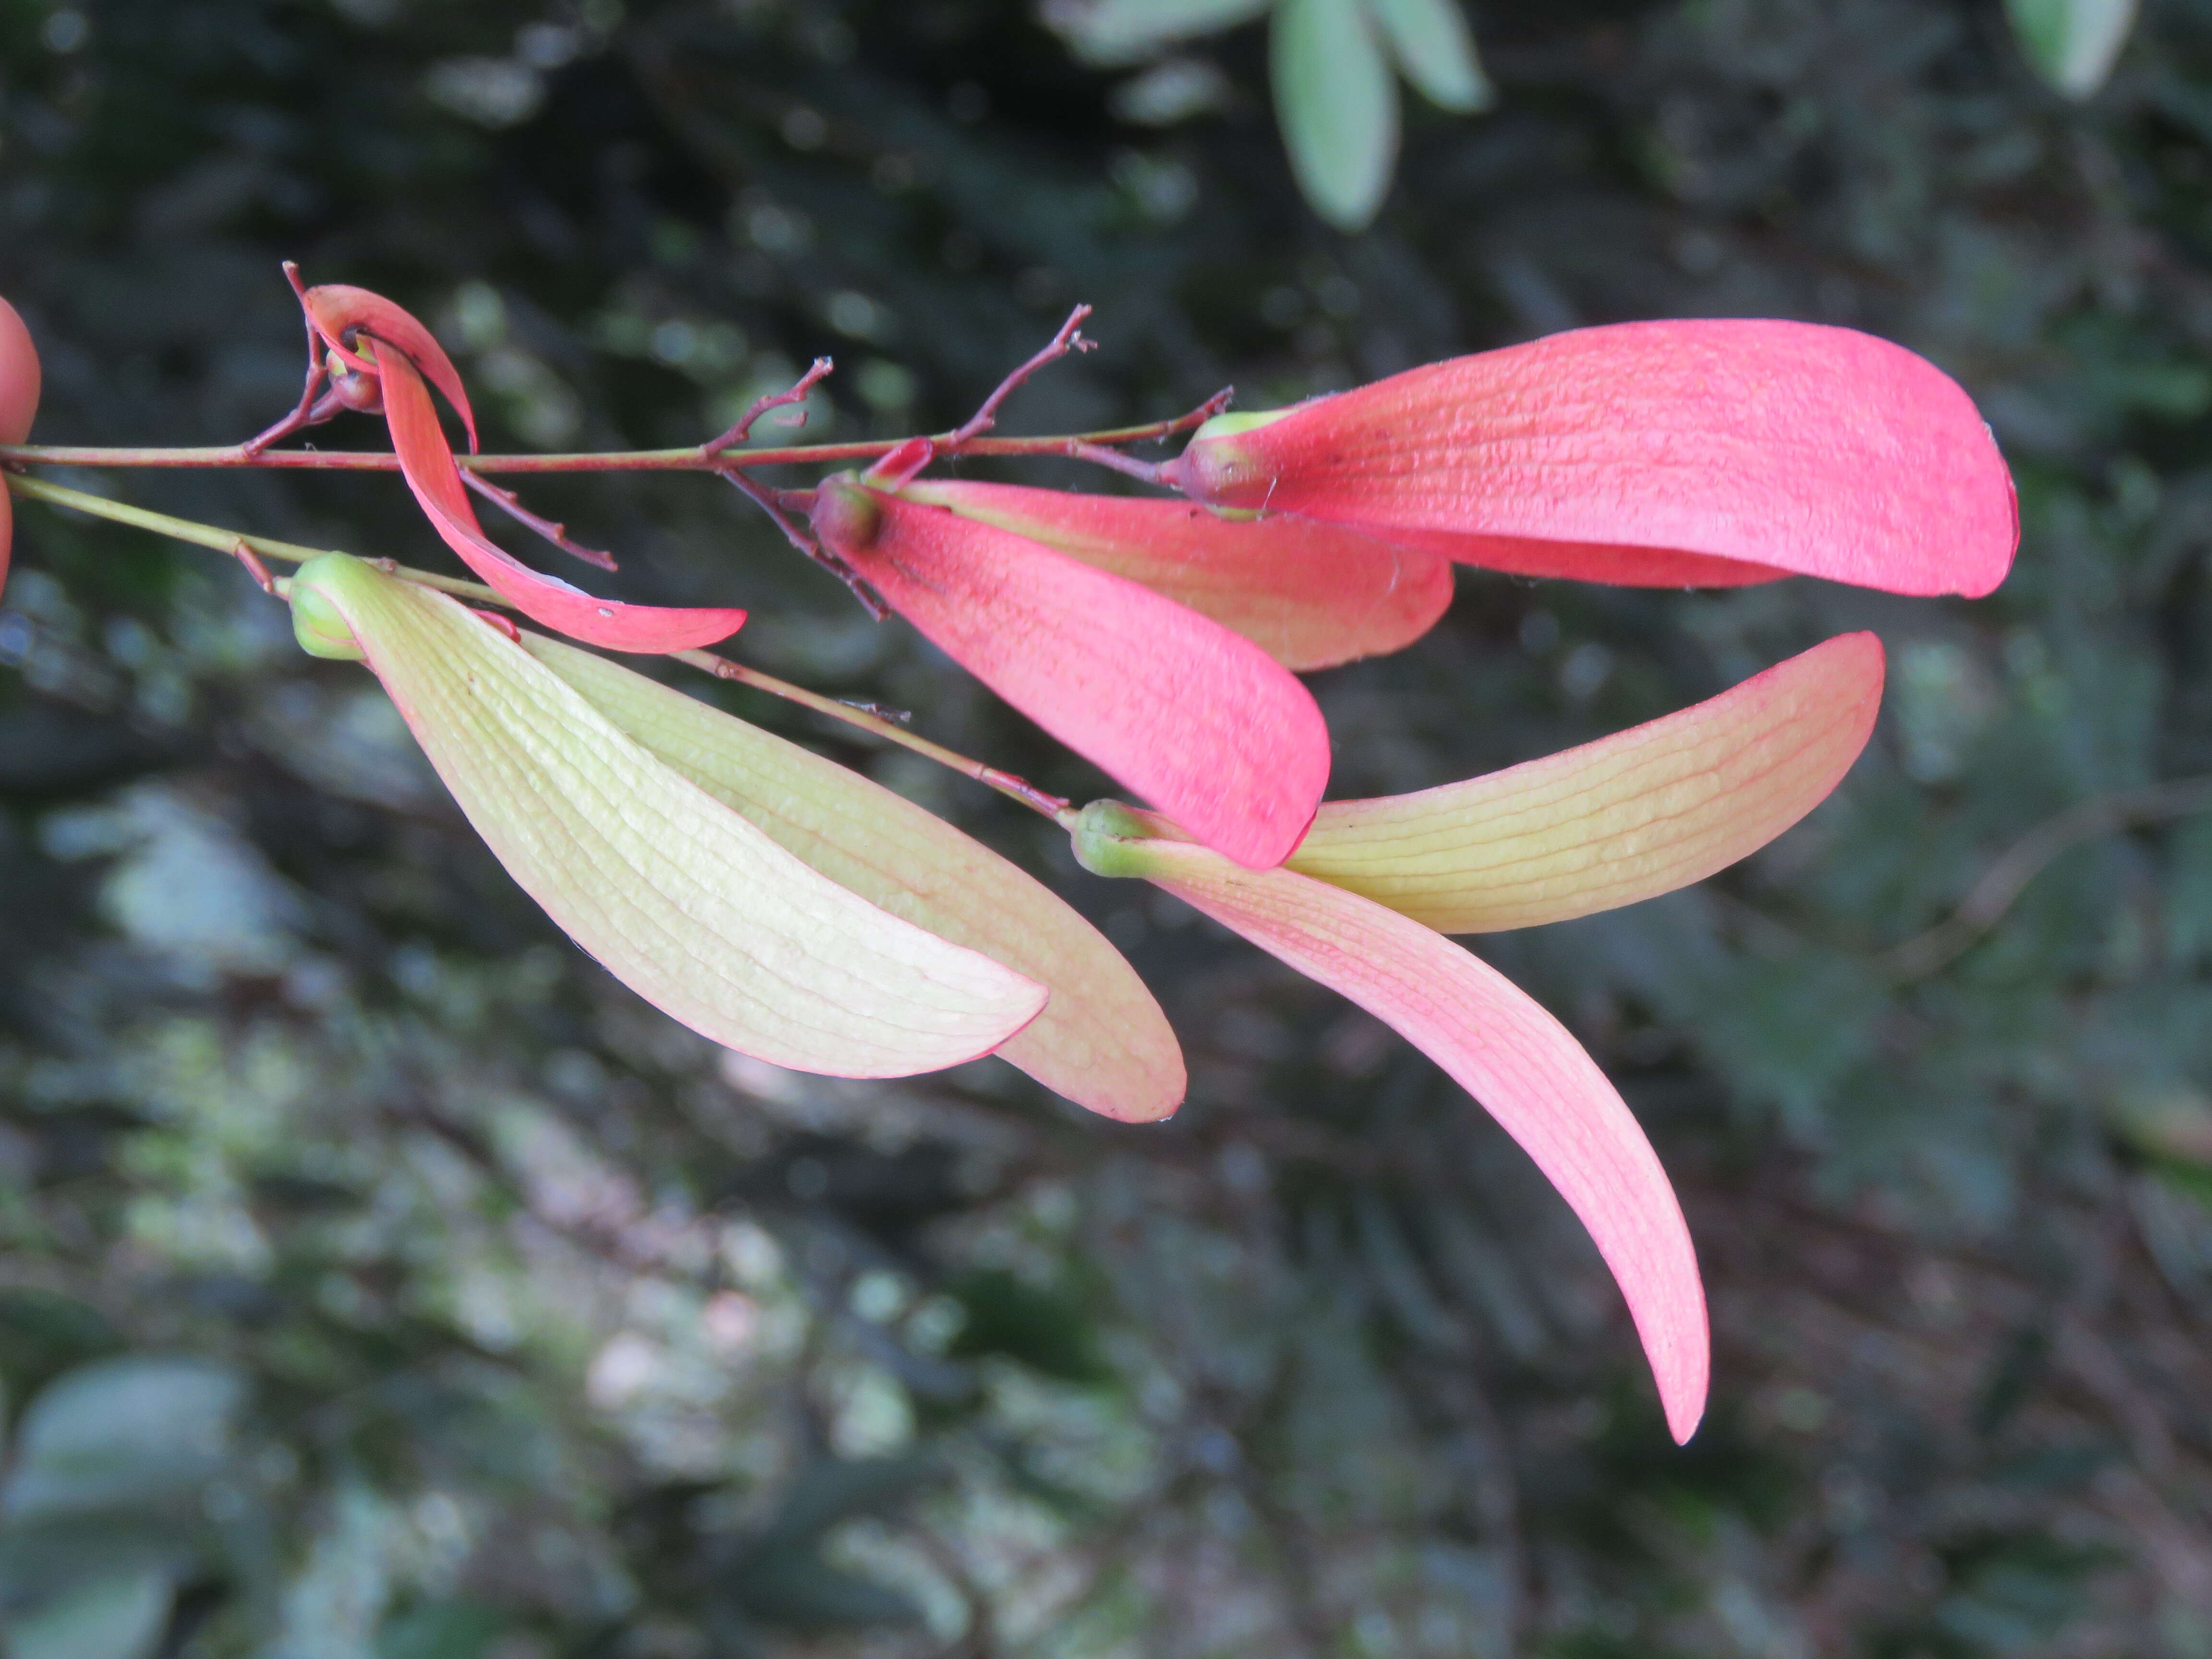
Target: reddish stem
1006,783
511,504
246,557
1069,339
1084,449
1148,470
896,471
772,503
304,415
248,549
817,371
627,460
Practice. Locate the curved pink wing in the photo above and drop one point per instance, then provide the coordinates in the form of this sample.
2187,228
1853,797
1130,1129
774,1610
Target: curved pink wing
1706,452
426,460
334,307
1313,595
1199,721
1500,1045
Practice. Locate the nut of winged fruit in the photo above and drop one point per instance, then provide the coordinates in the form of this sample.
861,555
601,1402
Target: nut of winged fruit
19,402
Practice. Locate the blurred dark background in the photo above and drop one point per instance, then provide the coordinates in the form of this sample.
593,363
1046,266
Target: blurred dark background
378,1279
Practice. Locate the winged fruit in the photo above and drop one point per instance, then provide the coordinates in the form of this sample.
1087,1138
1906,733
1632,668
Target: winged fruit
1629,817
683,900
1697,453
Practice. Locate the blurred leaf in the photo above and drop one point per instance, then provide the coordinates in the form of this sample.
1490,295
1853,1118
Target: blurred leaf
2072,44
1336,101
830,1489
2121,371
122,1434
1436,50
110,1616
440,1630
1113,33
798,1589
1596,1645
1049,1331
1788,1033
39,1559
2164,1119
2020,1365
43,1334
783,1580
2014,1593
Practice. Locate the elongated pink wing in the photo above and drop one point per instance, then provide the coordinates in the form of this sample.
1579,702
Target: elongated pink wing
1199,721
335,307
1704,452
1524,1066
426,460
1626,817
1312,595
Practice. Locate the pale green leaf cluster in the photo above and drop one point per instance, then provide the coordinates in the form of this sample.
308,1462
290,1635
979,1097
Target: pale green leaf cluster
1334,65
2072,44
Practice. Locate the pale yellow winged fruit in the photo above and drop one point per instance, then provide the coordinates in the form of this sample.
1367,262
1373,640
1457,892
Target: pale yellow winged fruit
686,902
1626,817
1102,1040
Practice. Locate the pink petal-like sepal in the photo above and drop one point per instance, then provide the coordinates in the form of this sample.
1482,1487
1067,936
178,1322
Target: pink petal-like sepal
1199,721
337,309
1707,452
1626,817
426,460
1524,1067
1313,595
19,403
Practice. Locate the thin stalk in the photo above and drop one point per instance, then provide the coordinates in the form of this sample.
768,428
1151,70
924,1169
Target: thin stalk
222,540
231,542
1060,810
691,459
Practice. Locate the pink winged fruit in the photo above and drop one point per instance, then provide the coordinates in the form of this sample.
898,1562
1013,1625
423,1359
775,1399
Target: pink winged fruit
1691,453
1198,719
1312,595
369,337
1359,905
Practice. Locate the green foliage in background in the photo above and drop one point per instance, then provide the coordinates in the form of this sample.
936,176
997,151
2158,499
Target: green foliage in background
1334,69
2072,44
377,1280
1333,66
